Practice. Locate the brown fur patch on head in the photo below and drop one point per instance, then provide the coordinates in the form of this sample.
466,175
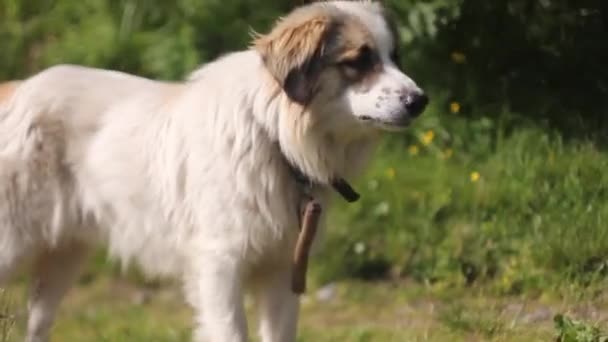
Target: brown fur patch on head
291,48
306,43
7,89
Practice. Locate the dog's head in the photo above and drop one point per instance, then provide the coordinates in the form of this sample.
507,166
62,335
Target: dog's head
340,58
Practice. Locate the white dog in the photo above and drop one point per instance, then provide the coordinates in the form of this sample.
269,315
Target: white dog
200,180
7,89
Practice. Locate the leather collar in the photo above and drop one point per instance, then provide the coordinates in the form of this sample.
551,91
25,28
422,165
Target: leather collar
339,184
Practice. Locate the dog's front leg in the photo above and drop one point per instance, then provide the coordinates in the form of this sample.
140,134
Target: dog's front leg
278,308
214,289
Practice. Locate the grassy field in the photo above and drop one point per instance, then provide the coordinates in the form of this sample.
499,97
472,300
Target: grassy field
116,310
468,230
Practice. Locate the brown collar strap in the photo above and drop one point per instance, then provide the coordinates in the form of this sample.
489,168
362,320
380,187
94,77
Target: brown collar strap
309,222
344,189
340,185
308,230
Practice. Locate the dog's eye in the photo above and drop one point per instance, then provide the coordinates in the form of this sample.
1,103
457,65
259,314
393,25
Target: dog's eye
364,60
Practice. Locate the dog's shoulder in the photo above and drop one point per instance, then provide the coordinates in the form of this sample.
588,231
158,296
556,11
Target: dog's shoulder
7,89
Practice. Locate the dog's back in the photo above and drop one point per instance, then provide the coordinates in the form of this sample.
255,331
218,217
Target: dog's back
46,123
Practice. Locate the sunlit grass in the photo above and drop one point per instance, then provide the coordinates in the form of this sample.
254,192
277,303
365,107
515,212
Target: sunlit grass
110,310
7,317
464,201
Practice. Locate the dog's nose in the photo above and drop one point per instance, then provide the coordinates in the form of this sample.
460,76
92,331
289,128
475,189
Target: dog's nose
416,103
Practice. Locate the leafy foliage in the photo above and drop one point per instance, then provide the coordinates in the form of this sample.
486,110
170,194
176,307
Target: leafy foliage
149,37
543,59
570,330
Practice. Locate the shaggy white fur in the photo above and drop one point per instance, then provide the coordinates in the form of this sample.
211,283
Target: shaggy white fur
189,180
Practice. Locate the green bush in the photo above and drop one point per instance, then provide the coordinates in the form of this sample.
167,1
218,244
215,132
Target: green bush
152,38
545,59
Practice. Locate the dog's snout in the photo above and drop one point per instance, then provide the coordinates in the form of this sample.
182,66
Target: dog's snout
416,103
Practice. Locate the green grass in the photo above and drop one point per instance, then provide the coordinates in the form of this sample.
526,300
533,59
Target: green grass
111,309
570,330
7,319
463,201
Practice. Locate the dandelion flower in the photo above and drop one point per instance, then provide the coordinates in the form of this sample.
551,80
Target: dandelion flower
390,173
413,150
475,176
458,57
448,153
428,137
455,107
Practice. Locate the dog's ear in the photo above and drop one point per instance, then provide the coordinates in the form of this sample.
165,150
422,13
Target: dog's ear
293,50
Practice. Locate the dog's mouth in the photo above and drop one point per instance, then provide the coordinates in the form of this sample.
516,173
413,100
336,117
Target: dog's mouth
389,125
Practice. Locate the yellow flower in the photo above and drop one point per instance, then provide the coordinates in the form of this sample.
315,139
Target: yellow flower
459,57
428,137
455,107
448,153
390,173
413,150
475,176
